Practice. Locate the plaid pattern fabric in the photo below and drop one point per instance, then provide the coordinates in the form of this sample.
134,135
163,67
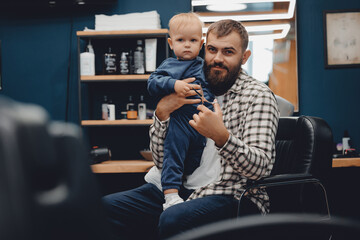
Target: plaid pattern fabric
251,115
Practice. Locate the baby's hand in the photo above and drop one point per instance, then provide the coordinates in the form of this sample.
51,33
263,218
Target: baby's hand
182,88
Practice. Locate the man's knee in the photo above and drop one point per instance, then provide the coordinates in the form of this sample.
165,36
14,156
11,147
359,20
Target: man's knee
107,202
114,204
172,221
195,213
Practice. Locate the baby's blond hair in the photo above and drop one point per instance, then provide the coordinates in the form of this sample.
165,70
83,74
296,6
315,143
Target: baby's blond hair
184,19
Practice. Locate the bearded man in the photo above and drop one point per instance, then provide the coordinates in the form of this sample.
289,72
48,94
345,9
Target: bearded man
240,146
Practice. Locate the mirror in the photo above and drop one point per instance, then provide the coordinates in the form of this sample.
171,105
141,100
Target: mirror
271,25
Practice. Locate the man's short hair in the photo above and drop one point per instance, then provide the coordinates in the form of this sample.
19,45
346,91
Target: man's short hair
184,19
225,27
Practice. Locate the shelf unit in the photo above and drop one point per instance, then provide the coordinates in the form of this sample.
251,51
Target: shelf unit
117,38
128,34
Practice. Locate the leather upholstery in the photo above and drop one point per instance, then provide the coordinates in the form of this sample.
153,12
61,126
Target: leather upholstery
303,145
303,150
47,190
276,226
286,108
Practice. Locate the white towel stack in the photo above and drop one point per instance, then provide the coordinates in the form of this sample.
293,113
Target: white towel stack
130,21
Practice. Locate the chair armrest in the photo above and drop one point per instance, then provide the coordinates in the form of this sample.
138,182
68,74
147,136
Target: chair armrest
282,179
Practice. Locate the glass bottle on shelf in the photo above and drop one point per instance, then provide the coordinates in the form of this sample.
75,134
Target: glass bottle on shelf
130,108
111,110
104,109
124,64
109,62
130,103
131,62
142,108
139,63
346,141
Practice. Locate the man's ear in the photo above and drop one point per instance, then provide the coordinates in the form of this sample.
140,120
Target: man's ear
170,43
246,56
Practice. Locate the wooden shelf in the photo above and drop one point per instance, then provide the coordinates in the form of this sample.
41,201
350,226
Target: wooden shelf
127,33
122,166
345,162
120,78
121,122
138,166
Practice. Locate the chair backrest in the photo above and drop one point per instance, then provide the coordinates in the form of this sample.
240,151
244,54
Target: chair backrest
47,190
286,108
303,145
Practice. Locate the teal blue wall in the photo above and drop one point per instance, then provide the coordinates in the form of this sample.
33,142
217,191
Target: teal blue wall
332,94
36,45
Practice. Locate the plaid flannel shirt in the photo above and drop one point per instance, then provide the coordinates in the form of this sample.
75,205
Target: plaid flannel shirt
250,113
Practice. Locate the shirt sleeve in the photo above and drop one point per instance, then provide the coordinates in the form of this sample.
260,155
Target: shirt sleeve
251,154
157,134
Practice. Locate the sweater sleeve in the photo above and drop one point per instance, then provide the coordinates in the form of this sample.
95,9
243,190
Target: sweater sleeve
162,81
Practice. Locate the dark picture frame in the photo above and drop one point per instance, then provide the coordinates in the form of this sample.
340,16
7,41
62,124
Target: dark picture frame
342,38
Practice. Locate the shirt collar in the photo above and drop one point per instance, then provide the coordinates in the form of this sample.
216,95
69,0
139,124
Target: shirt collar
237,86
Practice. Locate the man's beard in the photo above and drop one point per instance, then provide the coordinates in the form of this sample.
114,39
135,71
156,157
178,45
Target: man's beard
218,83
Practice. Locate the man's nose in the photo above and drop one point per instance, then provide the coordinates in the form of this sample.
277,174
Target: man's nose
218,57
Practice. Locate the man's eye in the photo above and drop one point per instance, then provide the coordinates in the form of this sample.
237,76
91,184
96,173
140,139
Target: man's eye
228,52
212,50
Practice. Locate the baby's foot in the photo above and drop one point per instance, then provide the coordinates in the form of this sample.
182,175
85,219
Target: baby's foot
171,200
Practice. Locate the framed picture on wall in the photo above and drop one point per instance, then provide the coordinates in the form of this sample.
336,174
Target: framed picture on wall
342,38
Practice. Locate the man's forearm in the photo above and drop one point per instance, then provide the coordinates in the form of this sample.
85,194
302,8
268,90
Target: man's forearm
162,115
221,139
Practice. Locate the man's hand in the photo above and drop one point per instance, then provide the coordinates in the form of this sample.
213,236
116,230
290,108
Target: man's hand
210,124
172,102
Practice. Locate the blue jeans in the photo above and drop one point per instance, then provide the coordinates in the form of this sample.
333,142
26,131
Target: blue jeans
138,213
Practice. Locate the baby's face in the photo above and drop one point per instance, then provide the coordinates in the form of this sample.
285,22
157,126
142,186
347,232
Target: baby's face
186,42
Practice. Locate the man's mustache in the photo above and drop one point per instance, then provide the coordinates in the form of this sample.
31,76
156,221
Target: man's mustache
218,65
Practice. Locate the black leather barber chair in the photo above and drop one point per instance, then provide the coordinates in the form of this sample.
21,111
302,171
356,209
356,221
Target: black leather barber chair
303,162
276,227
47,190
296,189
